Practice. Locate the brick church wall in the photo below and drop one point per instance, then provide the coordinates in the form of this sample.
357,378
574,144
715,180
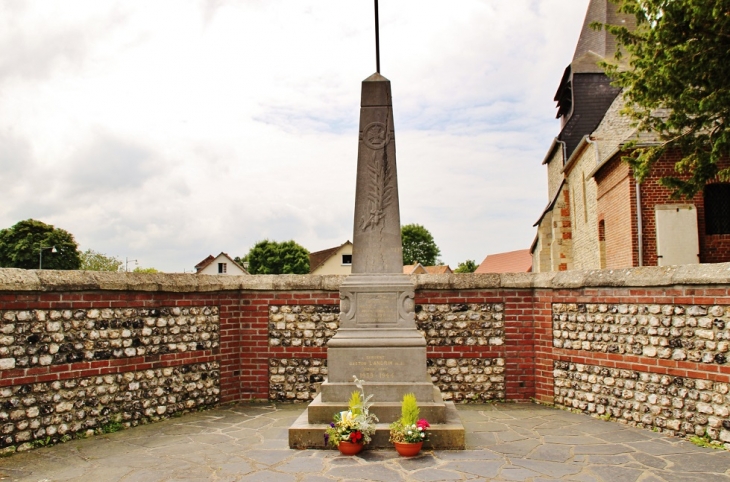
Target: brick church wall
713,248
616,202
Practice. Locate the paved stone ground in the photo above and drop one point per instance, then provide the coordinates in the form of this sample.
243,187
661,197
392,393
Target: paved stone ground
506,442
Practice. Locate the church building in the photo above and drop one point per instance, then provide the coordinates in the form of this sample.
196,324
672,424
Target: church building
597,215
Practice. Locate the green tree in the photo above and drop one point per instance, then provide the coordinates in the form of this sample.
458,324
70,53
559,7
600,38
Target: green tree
468,266
94,261
21,246
140,269
271,257
677,86
240,260
418,245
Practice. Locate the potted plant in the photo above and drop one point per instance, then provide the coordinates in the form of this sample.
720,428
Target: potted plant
351,429
409,432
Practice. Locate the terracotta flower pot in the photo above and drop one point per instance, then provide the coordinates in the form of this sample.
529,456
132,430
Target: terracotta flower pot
408,450
349,448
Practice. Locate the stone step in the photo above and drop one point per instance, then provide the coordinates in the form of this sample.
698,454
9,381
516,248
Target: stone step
387,412
444,436
386,391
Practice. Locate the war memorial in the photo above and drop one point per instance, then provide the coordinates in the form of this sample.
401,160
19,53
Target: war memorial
573,375
377,340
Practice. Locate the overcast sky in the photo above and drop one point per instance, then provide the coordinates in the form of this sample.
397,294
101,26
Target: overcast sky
165,131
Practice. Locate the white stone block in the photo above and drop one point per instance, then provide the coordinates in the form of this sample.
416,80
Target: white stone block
7,363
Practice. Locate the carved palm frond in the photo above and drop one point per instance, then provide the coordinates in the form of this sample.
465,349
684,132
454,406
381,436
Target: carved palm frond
380,191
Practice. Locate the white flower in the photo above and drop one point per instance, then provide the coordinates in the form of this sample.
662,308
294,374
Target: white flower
410,433
423,435
420,429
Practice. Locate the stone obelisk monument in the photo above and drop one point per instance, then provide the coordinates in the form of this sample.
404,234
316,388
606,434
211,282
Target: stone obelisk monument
377,340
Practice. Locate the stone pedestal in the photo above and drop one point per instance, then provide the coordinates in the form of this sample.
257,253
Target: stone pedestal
377,340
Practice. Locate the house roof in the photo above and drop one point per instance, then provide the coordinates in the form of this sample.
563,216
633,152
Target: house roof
511,262
210,259
417,268
551,204
318,258
441,269
204,263
555,144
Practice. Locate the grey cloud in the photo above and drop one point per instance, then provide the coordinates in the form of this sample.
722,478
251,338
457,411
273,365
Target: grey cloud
110,164
36,54
210,7
36,57
15,157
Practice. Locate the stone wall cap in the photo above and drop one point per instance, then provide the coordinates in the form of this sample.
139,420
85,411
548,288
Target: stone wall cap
12,279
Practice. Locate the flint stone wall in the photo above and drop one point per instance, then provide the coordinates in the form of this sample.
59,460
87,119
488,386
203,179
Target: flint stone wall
56,411
461,324
302,325
457,324
296,379
459,379
676,405
696,333
442,325
468,379
245,350
30,338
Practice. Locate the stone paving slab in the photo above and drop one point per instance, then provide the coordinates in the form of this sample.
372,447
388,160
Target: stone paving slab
248,442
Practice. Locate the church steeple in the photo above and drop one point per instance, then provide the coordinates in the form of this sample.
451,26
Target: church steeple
600,42
585,92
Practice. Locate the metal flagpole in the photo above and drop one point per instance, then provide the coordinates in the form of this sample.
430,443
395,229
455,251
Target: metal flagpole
377,39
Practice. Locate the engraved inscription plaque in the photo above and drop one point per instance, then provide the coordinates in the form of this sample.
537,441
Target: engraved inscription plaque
376,368
377,309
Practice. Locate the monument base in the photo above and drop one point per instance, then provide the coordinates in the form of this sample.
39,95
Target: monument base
387,412
449,435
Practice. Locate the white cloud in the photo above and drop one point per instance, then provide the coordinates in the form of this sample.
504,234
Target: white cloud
166,131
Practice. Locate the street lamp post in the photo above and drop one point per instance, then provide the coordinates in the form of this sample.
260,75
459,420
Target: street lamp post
40,253
126,263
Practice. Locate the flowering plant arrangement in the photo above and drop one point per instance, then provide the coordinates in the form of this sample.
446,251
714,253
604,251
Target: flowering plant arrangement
409,428
355,425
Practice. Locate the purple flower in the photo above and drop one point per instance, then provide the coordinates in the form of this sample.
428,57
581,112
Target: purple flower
332,424
326,438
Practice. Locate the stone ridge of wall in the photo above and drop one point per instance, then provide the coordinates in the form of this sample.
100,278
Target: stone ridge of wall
14,280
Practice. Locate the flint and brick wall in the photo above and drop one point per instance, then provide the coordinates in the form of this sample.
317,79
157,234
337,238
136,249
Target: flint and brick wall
80,351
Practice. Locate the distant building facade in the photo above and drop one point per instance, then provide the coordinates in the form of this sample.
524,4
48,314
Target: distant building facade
221,264
337,260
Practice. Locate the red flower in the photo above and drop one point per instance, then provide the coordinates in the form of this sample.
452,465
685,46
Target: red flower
423,424
355,437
